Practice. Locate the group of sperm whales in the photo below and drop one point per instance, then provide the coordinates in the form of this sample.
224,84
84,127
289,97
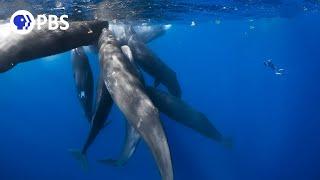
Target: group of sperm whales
123,55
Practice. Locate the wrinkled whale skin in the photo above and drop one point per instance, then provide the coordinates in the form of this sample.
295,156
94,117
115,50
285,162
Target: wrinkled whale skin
16,48
127,91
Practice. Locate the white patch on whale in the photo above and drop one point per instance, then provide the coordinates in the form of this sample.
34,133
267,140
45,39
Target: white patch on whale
82,94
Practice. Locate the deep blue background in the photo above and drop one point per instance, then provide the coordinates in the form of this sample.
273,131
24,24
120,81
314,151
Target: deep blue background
273,120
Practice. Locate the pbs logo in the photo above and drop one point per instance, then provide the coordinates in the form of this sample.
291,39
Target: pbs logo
23,22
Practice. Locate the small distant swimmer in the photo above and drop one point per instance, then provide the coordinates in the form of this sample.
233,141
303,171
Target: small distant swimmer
278,71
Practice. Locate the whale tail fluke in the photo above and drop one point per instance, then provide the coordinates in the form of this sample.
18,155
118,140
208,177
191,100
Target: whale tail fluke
227,142
111,162
79,156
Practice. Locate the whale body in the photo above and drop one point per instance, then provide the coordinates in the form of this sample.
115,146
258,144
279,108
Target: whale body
17,48
127,91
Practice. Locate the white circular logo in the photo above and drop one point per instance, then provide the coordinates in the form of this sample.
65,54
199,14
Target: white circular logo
22,22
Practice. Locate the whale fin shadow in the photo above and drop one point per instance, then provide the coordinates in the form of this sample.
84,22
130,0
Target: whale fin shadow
80,157
111,162
228,142
106,124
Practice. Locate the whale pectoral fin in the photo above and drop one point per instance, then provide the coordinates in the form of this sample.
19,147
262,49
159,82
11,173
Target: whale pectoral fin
127,52
79,156
130,144
156,83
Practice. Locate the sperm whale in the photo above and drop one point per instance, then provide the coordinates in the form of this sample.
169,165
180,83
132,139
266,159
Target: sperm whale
127,91
153,64
83,77
16,48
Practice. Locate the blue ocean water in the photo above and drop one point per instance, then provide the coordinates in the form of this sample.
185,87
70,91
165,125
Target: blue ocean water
272,119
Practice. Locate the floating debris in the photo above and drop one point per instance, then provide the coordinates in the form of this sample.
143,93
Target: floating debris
217,21
193,23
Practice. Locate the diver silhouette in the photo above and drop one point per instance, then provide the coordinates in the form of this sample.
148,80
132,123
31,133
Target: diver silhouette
274,68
